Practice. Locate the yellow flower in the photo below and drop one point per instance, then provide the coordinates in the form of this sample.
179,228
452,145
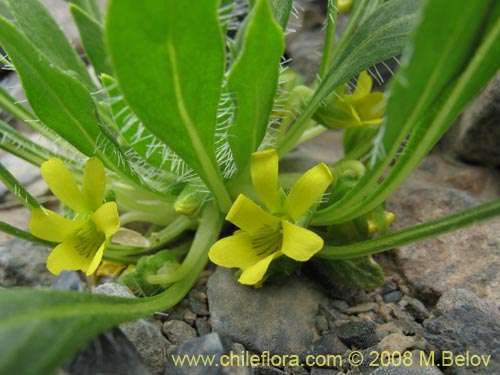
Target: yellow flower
361,108
84,239
265,236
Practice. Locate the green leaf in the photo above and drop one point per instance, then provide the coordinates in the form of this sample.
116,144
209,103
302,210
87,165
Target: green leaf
381,36
253,81
361,273
42,30
92,36
426,98
50,326
416,233
281,11
91,7
170,70
61,102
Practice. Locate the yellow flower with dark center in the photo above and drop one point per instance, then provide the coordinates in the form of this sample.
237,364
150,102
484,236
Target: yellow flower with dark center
84,239
267,235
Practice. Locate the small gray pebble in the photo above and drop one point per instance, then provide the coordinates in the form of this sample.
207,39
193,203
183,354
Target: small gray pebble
178,332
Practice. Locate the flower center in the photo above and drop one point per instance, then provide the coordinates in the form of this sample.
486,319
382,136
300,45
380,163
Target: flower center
267,241
88,239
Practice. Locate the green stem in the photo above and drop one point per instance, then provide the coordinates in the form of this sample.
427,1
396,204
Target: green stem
172,231
416,233
19,233
17,189
208,232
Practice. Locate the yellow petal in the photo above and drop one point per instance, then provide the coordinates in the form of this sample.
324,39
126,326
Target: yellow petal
256,272
300,243
234,252
307,190
94,182
63,185
66,257
371,108
96,260
106,219
248,216
264,170
364,85
48,225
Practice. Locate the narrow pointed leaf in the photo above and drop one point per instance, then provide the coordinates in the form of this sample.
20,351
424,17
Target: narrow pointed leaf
42,30
92,36
253,82
426,98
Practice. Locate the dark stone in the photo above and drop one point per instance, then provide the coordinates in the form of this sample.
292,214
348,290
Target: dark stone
198,301
108,354
416,309
467,324
329,344
358,334
212,346
202,326
388,287
477,137
267,370
178,331
69,280
393,297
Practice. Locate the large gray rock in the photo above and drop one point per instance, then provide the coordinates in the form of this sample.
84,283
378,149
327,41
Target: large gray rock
277,317
477,136
466,326
468,258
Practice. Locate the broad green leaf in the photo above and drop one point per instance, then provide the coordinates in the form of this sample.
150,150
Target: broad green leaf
61,102
170,70
42,30
381,36
360,273
253,80
92,36
426,98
